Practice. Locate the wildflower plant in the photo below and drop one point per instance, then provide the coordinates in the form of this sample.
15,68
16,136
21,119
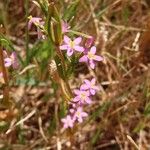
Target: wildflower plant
58,32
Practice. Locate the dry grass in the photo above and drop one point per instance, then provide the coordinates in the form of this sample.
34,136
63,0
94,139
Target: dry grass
119,117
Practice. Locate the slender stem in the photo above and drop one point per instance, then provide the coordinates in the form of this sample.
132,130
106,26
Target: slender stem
59,53
5,76
27,32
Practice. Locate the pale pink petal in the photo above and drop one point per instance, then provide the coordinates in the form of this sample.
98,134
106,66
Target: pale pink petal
67,40
63,47
69,52
71,110
83,59
84,87
98,58
65,27
92,64
8,62
77,92
89,42
65,126
84,114
78,48
87,82
76,99
93,50
80,120
95,87
87,93
88,100
71,124
33,20
93,81
92,91
77,40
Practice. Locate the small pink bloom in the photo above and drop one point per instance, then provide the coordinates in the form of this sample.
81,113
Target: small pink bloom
34,20
79,114
70,45
12,60
90,57
90,85
67,121
82,97
65,27
38,23
89,42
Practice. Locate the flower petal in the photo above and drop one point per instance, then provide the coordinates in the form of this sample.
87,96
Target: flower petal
88,100
92,64
67,40
8,62
69,52
80,120
77,92
87,82
63,47
98,58
93,50
76,99
77,40
84,114
92,91
83,59
78,48
84,87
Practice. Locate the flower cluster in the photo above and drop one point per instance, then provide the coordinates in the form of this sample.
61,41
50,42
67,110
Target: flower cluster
10,60
83,95
89,56
82,98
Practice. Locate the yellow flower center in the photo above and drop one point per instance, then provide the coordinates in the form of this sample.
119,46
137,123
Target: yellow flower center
72,44
78,113
83,96
90,55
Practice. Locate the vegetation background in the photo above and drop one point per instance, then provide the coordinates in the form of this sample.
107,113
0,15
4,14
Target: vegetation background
119,118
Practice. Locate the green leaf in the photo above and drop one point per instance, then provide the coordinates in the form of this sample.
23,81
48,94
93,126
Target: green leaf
71,11
147,109
60,69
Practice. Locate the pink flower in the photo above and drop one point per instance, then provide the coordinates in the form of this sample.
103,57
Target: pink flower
89,42
68,122
90,57
79,114
39,24
65,27
90,85
70,45
82,97
12,60
34,20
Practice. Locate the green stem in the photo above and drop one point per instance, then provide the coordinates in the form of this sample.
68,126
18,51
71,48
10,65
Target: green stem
60,55
27,31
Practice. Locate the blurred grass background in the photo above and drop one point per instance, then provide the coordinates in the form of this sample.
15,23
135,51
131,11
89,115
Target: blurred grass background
120,115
